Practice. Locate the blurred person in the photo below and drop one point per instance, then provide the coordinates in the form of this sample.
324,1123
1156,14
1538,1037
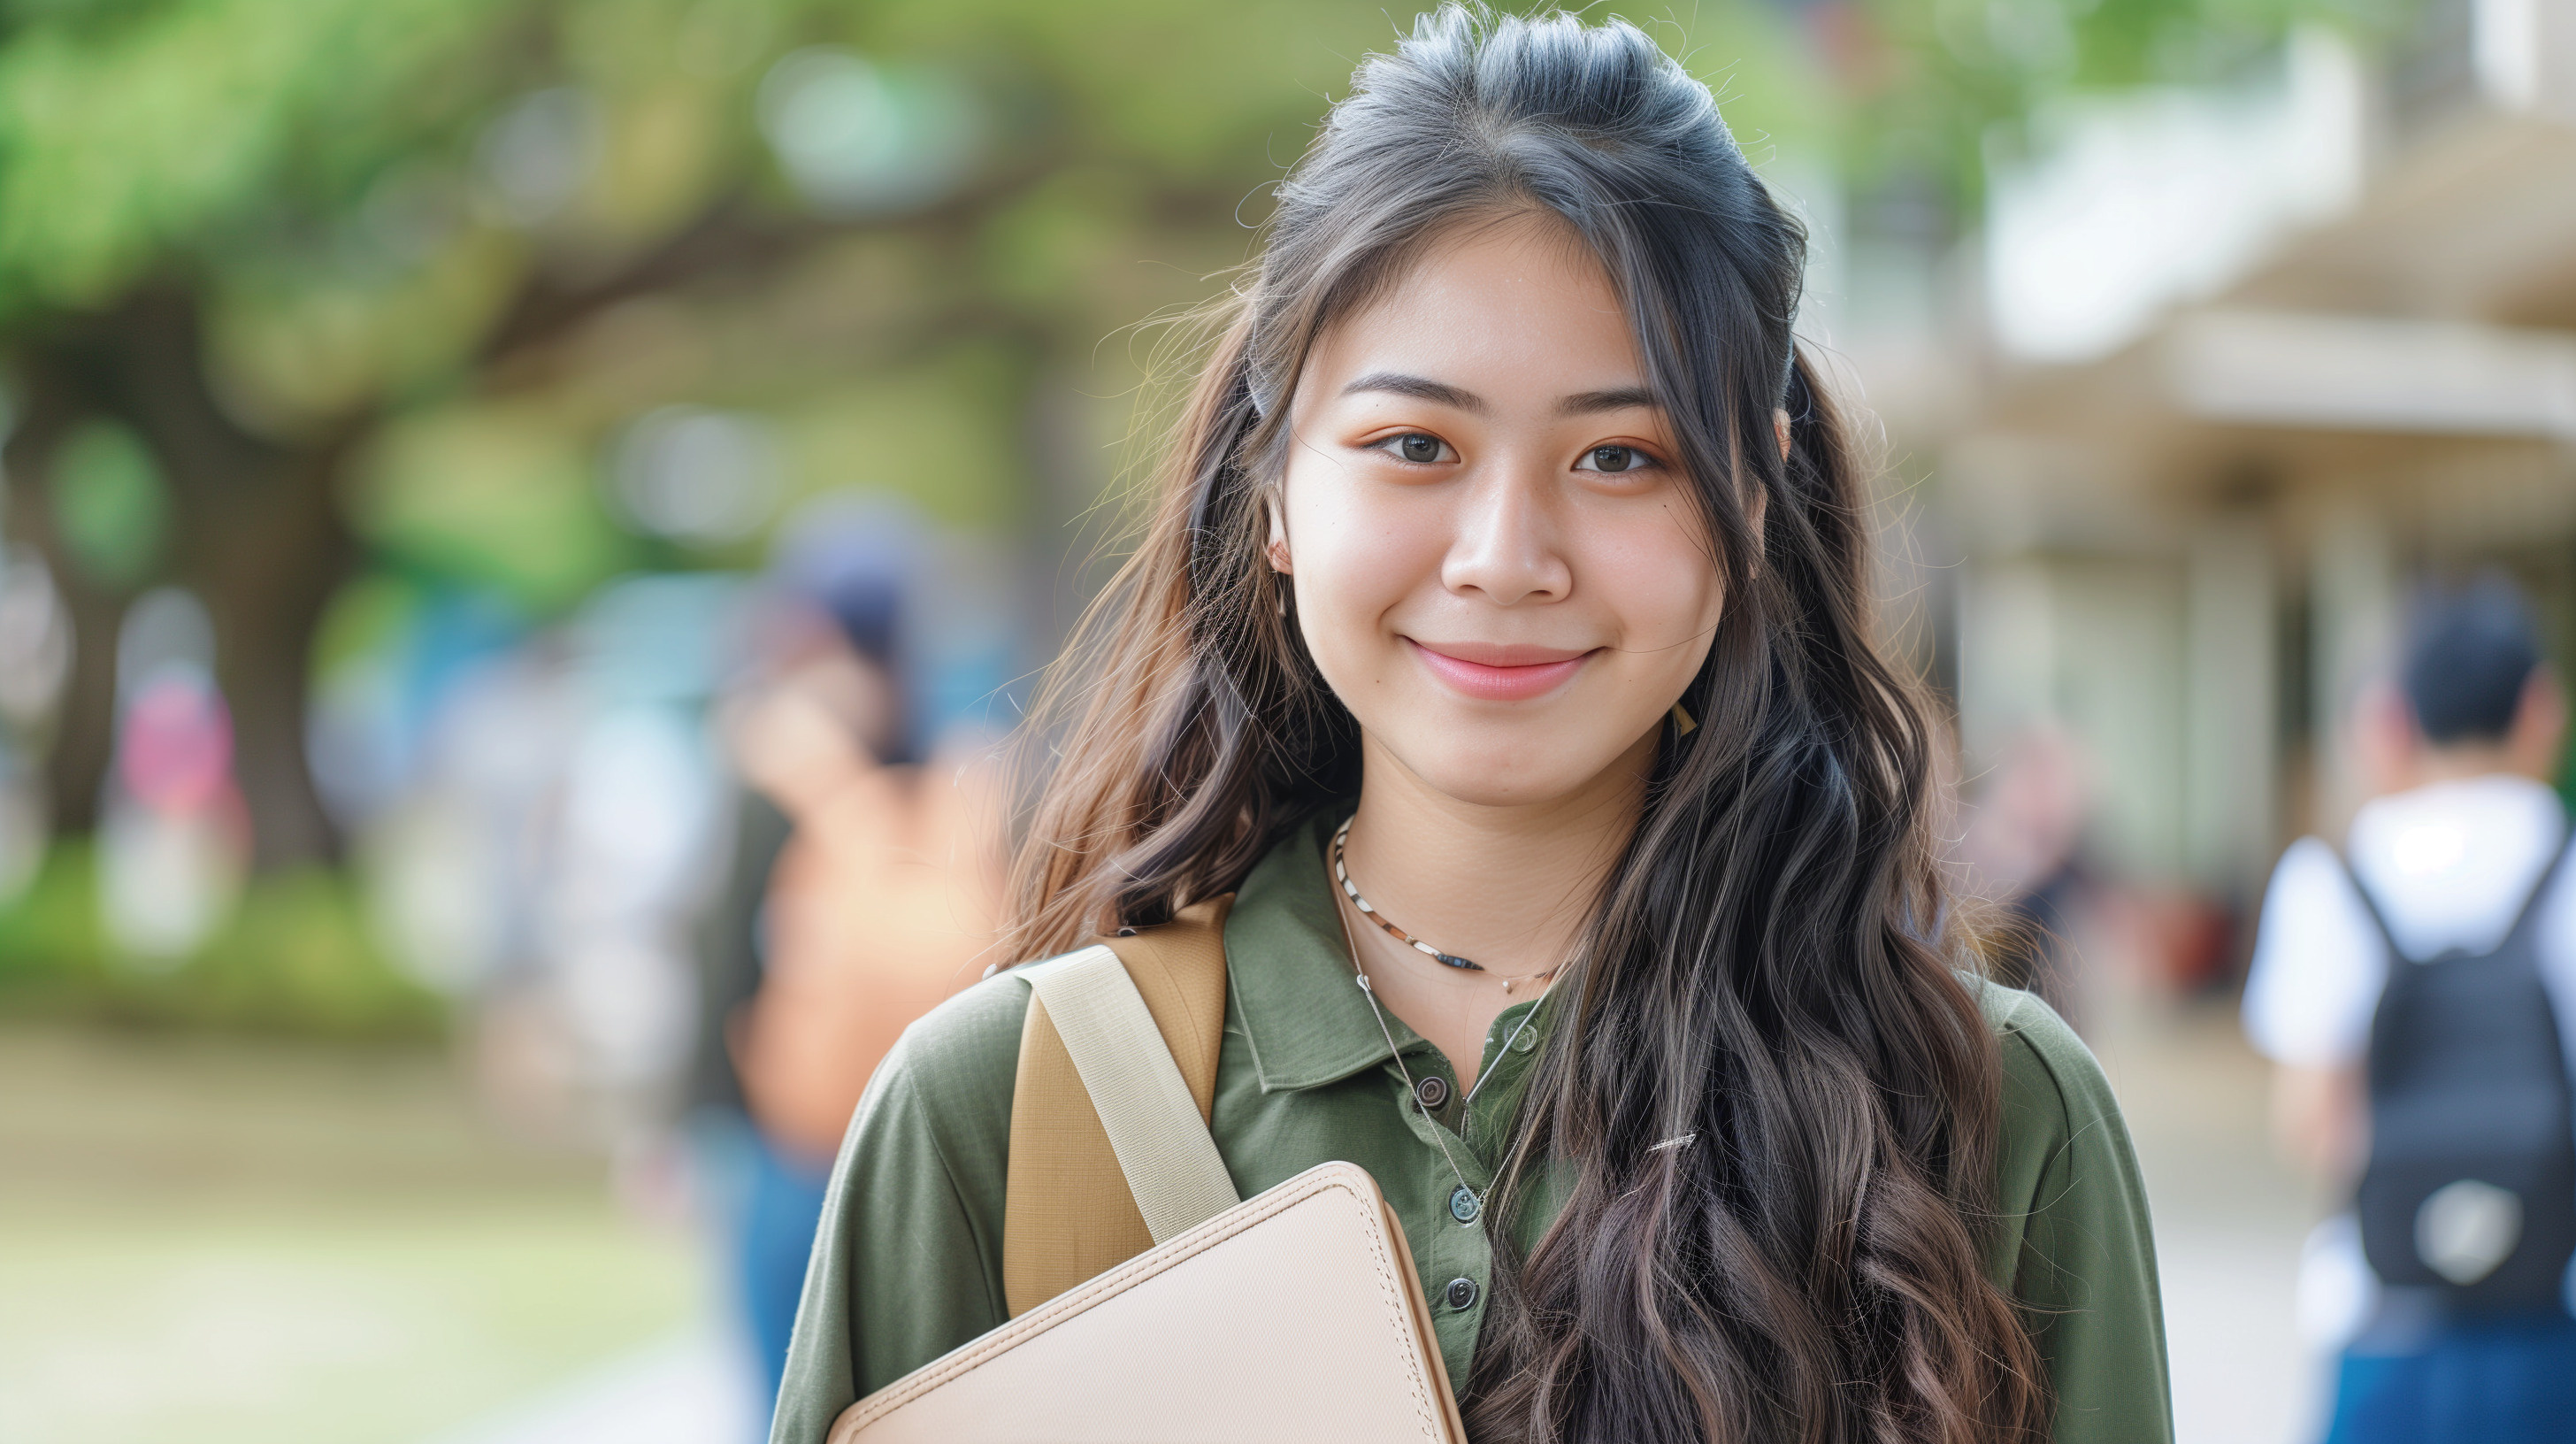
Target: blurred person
2415,993
632,839
174,842
863,888
882,903
2019,844
546,861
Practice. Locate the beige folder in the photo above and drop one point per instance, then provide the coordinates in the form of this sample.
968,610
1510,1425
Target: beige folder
1294,1316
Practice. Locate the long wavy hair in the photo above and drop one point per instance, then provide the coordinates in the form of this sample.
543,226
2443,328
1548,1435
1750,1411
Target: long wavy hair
1766,967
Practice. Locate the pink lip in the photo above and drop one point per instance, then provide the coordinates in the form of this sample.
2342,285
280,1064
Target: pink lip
1491,673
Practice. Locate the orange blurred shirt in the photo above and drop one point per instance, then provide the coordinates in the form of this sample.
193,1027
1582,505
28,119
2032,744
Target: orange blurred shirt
883,904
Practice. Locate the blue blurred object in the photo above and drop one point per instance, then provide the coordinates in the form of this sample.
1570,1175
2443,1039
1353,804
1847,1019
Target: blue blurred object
859,560
658,637
2481,1381
762,1206
774,1237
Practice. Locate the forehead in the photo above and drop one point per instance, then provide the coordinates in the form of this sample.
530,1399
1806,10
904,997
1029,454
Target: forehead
1511,307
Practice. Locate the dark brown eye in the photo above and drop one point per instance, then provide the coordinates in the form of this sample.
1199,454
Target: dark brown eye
1613,458
1418,447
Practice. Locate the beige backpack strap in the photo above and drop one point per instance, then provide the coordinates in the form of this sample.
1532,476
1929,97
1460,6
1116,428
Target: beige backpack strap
1073,1211
1164,1151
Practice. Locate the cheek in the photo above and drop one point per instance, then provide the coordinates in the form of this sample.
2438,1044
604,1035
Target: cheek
1658,580
1353,561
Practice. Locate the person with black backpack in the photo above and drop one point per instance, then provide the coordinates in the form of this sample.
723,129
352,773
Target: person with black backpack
2417,992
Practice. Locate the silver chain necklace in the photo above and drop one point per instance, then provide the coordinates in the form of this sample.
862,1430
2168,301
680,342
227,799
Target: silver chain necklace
1475,1200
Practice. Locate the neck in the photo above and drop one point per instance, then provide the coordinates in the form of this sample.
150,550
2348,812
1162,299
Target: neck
1508,886
2466,760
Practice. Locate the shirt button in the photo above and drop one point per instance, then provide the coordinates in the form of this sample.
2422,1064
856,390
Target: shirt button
1526,1041
1463,1205
1462,1294
1432,1091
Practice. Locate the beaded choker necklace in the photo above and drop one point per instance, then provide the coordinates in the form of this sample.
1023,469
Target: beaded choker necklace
1342,875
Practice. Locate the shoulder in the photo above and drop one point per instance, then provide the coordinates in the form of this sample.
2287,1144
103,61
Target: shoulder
2071,1239
2061,1122
2312,911
2053,1088
2308,865
2074,1204
907,1259
957,1062
2311,891
981,1020
2318,963
2556,919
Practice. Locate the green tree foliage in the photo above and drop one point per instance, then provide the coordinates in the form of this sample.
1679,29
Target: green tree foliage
292,288
108,503
1930,86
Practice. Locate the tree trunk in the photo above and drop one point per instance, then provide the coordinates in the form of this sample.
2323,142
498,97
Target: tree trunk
255,532
267,568
84,724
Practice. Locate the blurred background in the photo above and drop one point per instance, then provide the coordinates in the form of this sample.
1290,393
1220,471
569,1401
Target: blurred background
443,435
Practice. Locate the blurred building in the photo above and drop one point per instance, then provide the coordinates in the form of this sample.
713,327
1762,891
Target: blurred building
2260,355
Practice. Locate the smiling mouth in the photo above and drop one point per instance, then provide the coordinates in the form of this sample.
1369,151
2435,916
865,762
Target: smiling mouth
1492,673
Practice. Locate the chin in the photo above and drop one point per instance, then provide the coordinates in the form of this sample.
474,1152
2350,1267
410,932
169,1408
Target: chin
1502,772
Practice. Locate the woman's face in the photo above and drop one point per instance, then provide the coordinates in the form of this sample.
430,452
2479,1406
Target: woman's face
1498,563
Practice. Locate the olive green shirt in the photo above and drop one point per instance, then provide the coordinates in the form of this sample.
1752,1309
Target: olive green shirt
907,1263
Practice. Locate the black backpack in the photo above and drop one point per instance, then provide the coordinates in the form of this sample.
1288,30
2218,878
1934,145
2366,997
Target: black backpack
2470,1191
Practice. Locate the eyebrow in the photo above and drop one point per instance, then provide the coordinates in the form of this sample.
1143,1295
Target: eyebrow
1423,388
1617,398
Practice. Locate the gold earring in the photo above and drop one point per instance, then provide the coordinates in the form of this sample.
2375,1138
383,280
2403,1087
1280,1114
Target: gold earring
1683,724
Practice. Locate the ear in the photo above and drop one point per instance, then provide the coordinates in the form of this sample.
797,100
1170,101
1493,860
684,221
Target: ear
1780,427
2539,729
2385,742
1276,548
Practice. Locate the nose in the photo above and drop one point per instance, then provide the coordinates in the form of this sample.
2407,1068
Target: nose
1507,546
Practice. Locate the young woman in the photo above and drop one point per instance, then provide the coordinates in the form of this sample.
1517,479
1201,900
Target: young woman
1502,637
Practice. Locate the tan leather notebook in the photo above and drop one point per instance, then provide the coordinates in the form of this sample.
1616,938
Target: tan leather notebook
1293,1316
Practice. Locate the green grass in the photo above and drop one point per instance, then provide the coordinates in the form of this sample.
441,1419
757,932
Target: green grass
219,1238
352,1326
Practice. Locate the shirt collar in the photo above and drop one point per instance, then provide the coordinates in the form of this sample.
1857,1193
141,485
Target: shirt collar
1289,968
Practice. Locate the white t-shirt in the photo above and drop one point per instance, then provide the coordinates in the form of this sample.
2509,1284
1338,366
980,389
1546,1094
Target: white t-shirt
2450,866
